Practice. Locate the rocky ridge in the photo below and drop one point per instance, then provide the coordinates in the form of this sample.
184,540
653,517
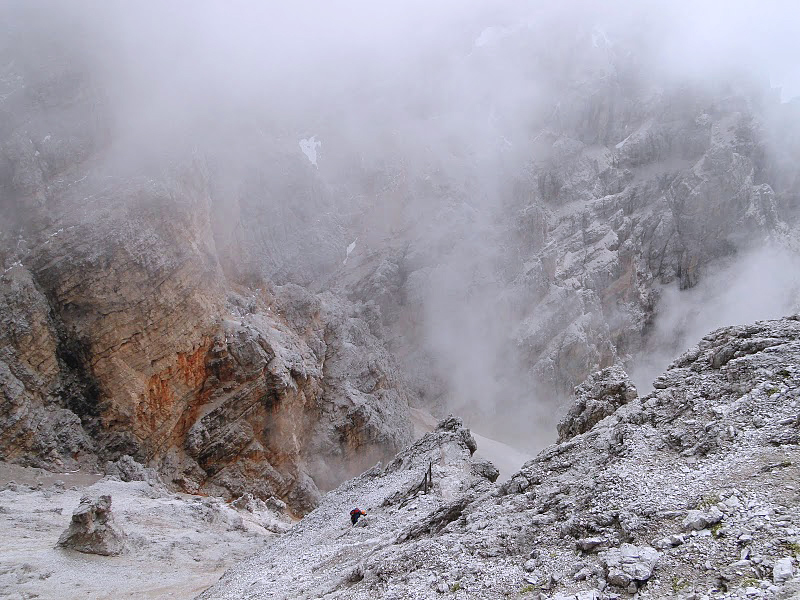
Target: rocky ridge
690,491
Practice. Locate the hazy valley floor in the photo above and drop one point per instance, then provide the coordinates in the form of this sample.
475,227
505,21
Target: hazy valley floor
178,544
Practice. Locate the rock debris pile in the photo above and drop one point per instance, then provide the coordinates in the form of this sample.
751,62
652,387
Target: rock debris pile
692,491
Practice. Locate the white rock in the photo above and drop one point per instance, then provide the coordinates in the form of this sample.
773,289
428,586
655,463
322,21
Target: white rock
733,503
783,570
630,563
700,519
670,541
586,544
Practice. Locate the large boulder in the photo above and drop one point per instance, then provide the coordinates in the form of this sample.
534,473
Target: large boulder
630,564
93,530
701,519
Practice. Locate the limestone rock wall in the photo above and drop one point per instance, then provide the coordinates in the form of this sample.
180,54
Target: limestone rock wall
123,335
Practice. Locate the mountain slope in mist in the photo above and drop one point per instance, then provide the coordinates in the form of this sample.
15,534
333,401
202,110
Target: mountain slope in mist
497,199
122,334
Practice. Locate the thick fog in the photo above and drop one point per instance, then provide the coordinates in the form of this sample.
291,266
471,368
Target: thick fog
406,125
763,283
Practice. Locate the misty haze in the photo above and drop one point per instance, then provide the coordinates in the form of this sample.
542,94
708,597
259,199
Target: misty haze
519,280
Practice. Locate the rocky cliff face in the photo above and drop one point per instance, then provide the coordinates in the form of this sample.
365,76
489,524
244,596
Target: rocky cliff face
122,334
630,188
123,337
689,491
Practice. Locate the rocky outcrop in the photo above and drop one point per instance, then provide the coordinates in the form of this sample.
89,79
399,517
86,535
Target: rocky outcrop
600,515
595,399
219,391
93,530
400,514
629,187
127,469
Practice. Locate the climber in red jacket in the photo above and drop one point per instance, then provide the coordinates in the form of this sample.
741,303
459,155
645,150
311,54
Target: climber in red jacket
356,514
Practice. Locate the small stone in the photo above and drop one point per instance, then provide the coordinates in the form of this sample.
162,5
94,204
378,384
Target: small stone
531,579
733,502
276,504
697,520
588,544
739,564
632,587
722,532
751,591
670,541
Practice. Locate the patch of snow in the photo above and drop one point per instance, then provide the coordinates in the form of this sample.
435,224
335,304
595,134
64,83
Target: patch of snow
309,147
599,38
350,248
622,143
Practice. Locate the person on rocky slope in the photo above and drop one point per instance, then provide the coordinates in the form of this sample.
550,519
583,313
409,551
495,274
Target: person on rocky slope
356,514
